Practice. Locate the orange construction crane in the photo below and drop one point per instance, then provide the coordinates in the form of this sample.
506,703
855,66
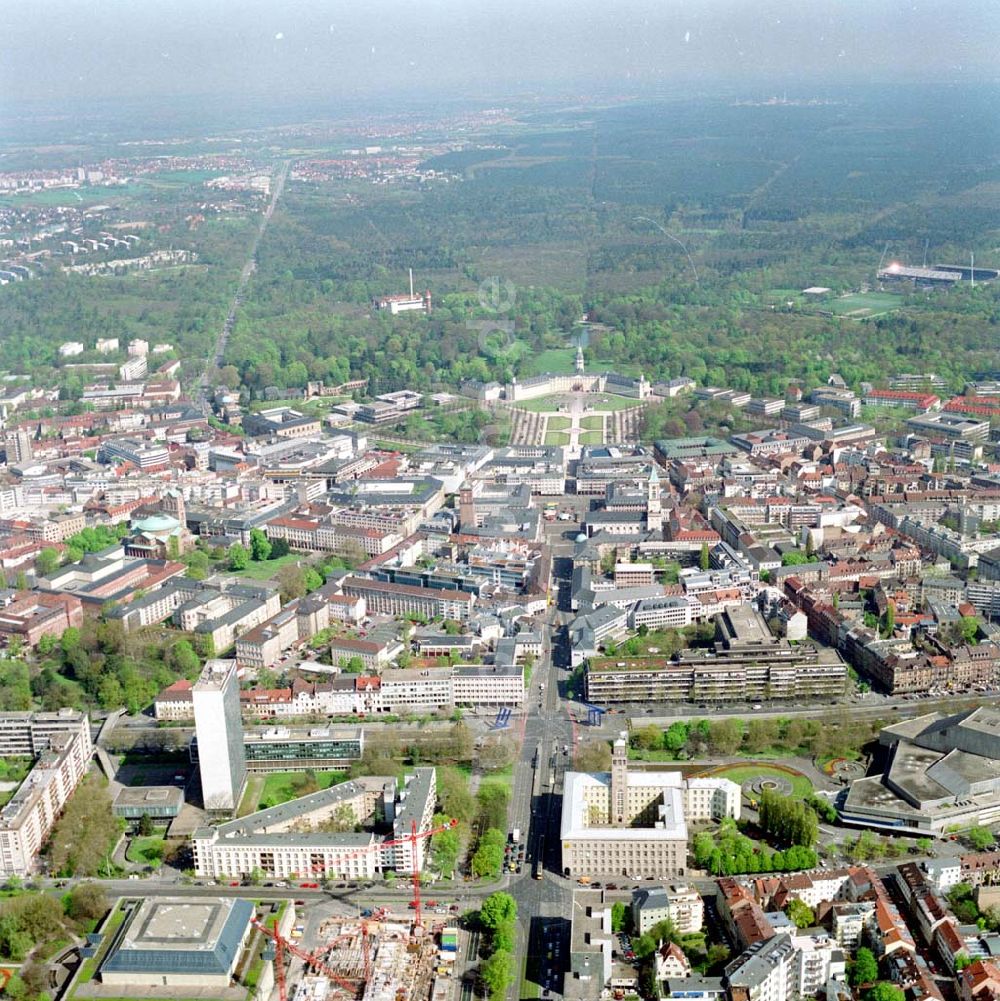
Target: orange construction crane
410,839
312,961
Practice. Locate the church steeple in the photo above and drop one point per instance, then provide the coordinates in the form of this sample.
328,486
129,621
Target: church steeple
654,510
619,782
466,507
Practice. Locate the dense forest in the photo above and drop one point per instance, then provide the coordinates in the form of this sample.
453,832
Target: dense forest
686,229
574,215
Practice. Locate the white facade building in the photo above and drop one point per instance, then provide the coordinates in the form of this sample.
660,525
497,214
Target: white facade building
219,728
288,841
61,745
635,823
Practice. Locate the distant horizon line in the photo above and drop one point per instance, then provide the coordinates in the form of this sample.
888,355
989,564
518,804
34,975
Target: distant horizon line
767,86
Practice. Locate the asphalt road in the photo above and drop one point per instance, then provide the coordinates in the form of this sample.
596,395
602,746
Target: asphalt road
219,350
541,732
535,803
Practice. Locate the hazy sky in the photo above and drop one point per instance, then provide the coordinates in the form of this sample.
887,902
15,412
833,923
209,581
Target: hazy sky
64,49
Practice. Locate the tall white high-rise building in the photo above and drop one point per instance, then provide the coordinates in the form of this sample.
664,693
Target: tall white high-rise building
219,728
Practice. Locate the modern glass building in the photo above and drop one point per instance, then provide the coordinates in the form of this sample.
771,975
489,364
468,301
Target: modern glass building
285,749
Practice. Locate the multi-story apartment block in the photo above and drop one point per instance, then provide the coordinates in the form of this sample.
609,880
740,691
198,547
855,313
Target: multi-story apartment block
142,454
288,841
58,527
400,599
132,370
747,663
32,615
61,745
785,967
18,447
901,398
682,905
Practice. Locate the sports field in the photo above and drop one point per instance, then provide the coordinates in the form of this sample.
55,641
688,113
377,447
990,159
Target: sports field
863,305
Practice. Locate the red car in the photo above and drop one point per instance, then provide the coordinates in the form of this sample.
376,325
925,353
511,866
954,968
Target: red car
235,883
304,886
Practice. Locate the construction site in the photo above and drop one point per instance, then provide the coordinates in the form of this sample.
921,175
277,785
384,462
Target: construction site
377,957
381,959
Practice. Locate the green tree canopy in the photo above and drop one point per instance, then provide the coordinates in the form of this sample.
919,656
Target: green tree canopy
884,991
496,909
497,973
864,969
260,545
801,913
47,562
239,558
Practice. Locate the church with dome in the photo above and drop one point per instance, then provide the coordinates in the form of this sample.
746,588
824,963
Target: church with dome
160,533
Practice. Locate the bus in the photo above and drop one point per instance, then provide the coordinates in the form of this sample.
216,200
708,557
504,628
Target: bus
539,858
